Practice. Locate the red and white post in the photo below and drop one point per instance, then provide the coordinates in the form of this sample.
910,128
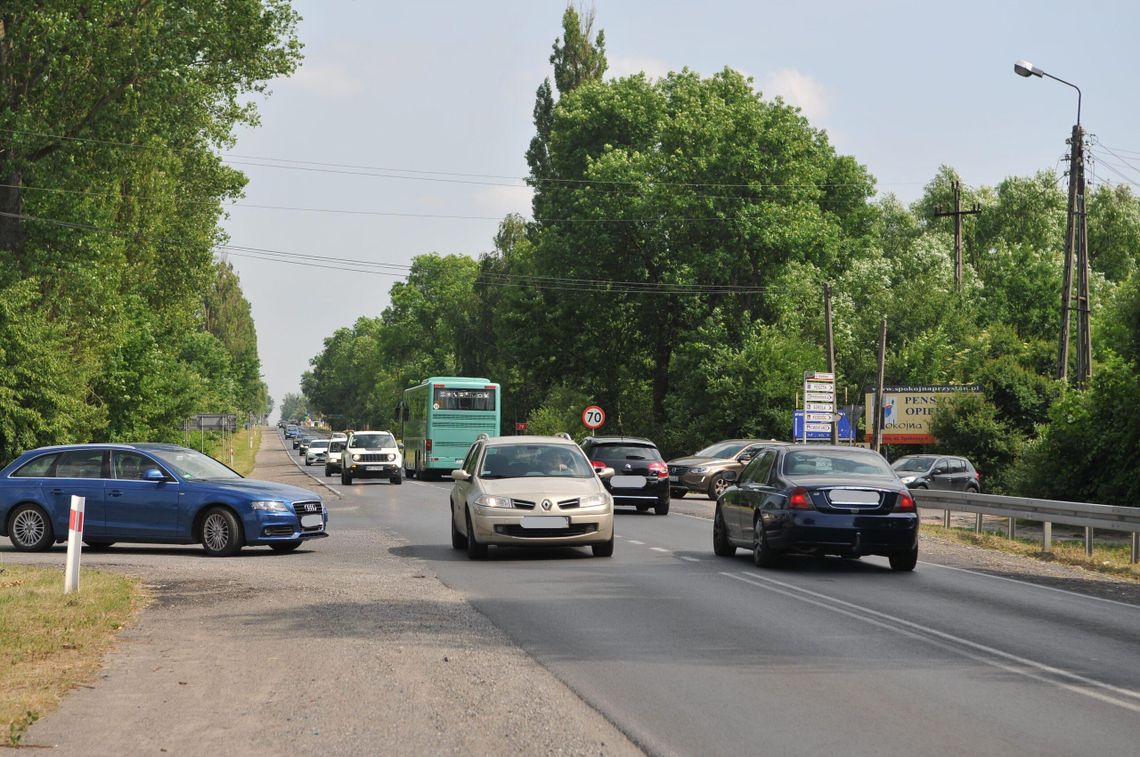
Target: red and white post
74,537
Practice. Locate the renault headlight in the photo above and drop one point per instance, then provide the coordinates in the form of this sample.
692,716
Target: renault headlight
489,500
270,506
593,500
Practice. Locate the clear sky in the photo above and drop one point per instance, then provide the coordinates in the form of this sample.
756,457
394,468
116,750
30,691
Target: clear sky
404,130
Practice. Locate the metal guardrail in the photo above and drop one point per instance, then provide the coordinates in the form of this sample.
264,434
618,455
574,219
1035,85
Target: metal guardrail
1044,511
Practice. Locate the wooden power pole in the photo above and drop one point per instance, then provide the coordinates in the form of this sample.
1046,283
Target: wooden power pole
957,212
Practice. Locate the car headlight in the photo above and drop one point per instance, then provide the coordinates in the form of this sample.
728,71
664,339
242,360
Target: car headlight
593,500
271,506
699,469
488,500
908,479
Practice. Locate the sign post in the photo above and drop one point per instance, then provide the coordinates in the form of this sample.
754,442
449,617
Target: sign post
74,537
593,417
819,402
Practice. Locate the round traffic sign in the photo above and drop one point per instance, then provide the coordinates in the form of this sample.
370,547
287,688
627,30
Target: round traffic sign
593,417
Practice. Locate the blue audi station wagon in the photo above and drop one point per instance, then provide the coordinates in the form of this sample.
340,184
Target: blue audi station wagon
151,493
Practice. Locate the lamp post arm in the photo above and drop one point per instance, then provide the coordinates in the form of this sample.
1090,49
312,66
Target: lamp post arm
1074,86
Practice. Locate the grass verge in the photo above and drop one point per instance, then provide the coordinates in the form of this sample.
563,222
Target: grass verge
51,642
245,455
1112,559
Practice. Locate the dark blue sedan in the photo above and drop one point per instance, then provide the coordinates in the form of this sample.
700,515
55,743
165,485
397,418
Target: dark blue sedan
821,500
156,493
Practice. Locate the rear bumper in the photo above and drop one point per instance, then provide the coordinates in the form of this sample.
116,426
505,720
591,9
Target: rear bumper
844,534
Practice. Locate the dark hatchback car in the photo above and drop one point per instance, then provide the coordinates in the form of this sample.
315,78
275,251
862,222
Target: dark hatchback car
157,493
641,477
818,499
938,472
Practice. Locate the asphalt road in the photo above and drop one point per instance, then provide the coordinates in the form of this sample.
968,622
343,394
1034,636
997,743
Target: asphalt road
684,652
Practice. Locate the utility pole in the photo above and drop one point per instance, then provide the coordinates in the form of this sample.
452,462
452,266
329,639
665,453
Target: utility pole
830,360
957,212
1076,247
877,424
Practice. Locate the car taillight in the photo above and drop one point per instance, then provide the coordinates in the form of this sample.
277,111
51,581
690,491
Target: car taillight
598,465
904,503
661,469
427,445
799,500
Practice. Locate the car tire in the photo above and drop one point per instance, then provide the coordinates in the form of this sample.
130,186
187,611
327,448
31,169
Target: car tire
678,493
904,561
662,507
30,529
458,540
98,544
221,533
285,546
722,547
306,462
971,489
605,549
345,478
763,556
397,479
717,487
475,550
328,471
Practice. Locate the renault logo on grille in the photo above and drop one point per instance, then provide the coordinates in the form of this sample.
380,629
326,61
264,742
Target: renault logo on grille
547,504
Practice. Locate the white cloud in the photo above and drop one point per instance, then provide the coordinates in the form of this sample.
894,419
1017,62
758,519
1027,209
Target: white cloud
627,66
327,80
799,89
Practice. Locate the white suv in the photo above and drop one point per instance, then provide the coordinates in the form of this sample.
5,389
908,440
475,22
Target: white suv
332,459
371,454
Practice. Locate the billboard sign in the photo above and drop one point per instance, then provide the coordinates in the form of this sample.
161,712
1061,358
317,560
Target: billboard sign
907,411
821,431
211,422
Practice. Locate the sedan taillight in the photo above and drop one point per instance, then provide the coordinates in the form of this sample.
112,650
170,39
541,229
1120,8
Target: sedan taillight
904,503
799,499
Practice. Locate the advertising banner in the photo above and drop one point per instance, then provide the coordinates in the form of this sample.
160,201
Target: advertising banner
907,411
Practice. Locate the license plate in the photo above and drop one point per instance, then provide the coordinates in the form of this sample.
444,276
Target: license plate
628,482
853,497
309,521
675,479
545,521
373,467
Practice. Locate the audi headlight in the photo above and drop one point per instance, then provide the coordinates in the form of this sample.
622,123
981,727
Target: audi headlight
271,506
488,500
593,500
699,469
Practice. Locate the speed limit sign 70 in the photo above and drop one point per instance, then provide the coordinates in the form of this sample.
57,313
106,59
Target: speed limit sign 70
593,417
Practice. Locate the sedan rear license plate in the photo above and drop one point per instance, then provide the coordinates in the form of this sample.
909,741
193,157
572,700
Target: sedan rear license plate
628,482
545,521
309,521
674,479
853,497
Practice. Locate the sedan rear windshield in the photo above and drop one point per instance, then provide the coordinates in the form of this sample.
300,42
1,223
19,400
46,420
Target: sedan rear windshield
835,464
609,452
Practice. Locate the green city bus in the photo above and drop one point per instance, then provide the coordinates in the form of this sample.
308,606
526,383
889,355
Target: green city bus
441,418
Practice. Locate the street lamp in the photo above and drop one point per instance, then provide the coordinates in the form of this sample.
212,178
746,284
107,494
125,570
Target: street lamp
1027,69
1076,242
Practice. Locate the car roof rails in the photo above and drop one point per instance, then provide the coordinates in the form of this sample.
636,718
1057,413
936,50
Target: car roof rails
564,435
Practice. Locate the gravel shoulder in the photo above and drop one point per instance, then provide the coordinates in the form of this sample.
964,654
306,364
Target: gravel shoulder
305,655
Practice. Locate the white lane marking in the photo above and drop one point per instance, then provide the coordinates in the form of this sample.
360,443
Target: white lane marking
659,549
635,541
690,559
695,517
1083,685
1129,605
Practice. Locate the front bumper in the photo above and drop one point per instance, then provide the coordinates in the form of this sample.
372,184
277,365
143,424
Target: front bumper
504,527
270,528
372,470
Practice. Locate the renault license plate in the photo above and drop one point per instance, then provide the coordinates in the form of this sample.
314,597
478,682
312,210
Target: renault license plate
545,521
